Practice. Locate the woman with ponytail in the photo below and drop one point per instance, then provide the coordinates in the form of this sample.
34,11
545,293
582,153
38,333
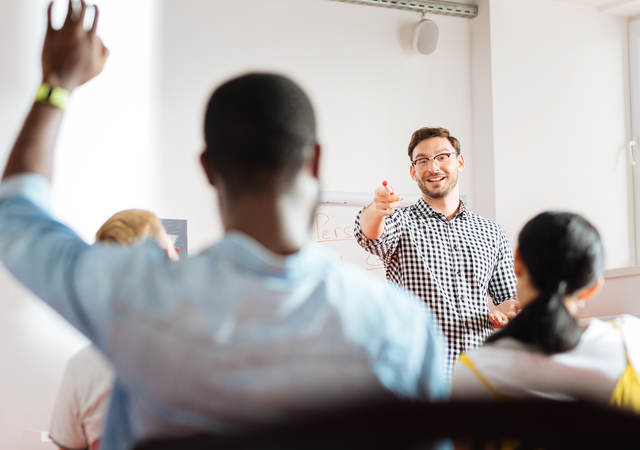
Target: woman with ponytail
546,351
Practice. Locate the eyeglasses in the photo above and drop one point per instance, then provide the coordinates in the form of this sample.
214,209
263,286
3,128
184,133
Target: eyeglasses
440,158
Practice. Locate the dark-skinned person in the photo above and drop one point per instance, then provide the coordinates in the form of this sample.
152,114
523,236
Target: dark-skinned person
261,326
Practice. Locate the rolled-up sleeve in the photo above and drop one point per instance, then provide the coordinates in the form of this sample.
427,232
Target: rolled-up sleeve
385,246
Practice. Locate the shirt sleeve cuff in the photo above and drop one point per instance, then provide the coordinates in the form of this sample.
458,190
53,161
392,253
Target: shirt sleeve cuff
364,240
35,188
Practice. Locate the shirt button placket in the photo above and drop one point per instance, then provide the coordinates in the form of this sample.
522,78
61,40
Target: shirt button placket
455,261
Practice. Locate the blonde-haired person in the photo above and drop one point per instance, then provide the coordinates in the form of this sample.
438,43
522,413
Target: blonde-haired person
81,407
132,225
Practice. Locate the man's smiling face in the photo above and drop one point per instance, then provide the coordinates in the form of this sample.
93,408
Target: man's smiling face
436,179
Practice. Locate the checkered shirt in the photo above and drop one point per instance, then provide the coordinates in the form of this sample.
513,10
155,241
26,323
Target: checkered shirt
453,265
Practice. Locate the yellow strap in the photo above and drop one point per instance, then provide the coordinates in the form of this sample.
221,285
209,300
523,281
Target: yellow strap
55,96
464,359
626,393
624,344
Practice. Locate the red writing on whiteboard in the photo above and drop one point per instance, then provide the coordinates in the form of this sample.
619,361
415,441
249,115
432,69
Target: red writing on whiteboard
328,229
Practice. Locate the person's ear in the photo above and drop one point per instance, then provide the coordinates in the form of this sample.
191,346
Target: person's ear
412,172
315,161
208,169
460,161
592,290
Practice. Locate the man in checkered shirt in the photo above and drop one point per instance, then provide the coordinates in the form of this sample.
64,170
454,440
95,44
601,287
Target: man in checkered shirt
447,255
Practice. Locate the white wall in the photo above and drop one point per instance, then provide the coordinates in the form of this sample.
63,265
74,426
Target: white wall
482,162
618,295
370,90
560,118
634,90
104,163
496,81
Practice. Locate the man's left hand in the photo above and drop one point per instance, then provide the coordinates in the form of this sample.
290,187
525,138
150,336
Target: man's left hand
504,312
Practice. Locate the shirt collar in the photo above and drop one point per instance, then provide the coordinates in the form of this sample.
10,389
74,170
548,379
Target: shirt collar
248,252
428,211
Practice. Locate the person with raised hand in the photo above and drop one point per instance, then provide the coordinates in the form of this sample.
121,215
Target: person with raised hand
261,326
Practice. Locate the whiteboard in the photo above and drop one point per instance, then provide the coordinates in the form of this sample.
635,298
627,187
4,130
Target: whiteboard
334,223
333,229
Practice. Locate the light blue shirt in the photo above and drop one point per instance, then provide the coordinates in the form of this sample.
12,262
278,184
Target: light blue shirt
232,337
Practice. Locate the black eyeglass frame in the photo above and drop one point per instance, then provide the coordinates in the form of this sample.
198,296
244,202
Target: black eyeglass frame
434,158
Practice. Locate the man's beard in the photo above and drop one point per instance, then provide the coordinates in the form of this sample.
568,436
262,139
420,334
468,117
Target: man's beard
440,193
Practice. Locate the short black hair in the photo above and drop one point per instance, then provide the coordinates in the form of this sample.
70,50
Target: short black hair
259,128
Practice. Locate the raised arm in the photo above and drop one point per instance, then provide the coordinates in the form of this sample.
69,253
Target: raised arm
71,56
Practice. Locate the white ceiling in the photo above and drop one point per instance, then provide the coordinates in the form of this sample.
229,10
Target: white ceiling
627,8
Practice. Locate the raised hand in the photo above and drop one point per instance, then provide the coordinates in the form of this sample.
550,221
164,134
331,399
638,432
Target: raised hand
385,201
71,56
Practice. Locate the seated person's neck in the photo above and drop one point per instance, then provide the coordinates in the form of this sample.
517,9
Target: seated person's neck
279,221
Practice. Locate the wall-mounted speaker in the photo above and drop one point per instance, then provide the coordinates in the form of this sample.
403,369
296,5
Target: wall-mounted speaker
425,37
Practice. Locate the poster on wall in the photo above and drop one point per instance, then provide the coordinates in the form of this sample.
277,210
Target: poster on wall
177,231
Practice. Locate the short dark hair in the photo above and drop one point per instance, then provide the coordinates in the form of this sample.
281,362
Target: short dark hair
429,132
563,253
259,127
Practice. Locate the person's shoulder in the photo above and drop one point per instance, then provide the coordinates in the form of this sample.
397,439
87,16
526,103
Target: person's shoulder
487,361
407,214
87,355
484,225
628,320
597,328
631,327
88,363
505,349
475,217
374,291
349,275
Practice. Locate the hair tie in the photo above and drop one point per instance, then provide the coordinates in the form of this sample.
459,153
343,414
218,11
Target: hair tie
562,288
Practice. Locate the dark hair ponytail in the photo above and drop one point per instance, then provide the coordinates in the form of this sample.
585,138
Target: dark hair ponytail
563,254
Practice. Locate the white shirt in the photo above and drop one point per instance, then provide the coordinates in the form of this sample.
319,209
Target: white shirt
589,372
81,407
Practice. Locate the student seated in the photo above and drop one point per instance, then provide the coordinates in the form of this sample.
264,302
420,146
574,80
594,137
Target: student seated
546,351
80,410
